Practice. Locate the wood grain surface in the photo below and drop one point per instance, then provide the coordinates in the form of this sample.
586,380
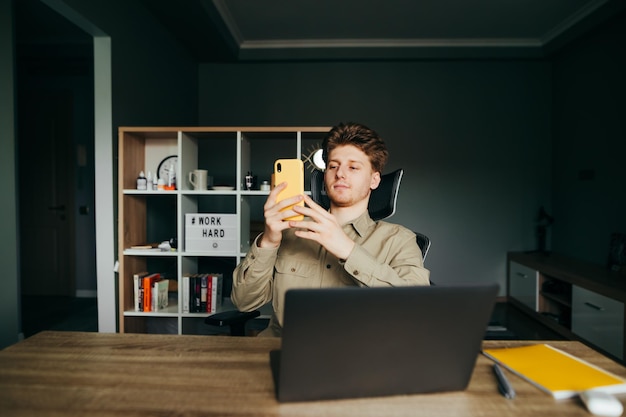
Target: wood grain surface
101,374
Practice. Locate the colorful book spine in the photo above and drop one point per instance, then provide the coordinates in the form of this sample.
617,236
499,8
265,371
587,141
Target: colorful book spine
185,294
204,289
160,291
210,302
138,290
217,292
197,292
201,293
148,282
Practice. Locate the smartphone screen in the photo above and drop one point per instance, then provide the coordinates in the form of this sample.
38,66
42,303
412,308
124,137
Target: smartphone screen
292,172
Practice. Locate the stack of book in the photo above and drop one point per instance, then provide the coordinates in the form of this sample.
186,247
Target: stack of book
202,293
150,291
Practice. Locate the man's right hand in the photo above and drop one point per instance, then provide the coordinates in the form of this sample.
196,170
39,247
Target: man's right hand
274,217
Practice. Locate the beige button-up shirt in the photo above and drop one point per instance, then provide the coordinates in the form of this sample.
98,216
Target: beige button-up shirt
385,254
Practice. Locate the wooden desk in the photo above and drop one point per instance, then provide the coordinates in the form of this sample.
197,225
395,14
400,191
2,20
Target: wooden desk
98,374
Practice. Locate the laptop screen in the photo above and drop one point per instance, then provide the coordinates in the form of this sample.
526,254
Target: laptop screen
359,342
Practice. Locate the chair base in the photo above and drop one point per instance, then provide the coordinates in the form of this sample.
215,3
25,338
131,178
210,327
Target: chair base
235,319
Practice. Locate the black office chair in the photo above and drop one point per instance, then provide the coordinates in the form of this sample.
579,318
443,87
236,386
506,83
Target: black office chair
235,319
382,205
423,242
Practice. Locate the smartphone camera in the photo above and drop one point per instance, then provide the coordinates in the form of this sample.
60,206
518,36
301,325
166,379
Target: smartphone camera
279,167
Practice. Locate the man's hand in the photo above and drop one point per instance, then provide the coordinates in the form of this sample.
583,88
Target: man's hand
323,228
274,217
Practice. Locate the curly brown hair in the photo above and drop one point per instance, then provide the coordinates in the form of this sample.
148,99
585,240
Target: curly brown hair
362,137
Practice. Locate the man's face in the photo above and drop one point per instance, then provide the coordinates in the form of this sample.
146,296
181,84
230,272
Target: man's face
349,177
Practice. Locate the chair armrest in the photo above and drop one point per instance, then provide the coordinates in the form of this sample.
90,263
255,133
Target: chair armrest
232,317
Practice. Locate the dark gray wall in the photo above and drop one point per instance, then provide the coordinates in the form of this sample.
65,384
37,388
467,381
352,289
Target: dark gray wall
9,298
154,78
473,138
154,82
590,135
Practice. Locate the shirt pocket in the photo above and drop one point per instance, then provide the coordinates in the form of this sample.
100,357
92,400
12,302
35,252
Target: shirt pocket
297,272
291,273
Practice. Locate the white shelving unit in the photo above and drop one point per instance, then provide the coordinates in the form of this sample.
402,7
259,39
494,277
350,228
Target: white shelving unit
144,217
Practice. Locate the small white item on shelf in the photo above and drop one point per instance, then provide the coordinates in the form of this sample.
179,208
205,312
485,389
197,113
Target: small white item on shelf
171,184
141,181
165,246
149,184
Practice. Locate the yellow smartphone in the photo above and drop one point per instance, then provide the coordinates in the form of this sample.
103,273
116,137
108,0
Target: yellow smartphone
292,172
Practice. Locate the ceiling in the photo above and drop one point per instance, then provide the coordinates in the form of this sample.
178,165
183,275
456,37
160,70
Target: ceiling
271,30
261,30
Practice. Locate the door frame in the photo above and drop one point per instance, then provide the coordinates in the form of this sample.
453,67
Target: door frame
105,196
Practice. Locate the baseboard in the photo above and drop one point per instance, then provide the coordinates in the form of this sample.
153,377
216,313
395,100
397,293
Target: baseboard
86,294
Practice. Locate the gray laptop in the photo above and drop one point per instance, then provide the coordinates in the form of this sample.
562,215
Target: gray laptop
365,342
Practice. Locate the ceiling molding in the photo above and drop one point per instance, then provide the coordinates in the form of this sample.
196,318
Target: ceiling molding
246,30
229,21
390,49
573,20
392,43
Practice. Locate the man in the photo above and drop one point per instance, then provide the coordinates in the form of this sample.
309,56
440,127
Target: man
339,247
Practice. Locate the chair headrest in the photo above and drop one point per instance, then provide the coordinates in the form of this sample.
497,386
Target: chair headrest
383,199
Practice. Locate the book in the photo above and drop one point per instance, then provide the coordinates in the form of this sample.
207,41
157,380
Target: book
209,293
201,293
554,371
204,288
216,292
148,282
195,295
185,294
138,290
160,291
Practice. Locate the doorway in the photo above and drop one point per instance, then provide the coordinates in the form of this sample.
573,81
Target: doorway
46,196
55,112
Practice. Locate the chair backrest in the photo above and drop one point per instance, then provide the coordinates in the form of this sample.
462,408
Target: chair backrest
423,242
382,204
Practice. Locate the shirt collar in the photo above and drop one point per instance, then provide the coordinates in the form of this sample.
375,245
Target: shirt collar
361,224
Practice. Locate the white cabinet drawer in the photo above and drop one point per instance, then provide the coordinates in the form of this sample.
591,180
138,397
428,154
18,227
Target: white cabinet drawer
599,320
523,284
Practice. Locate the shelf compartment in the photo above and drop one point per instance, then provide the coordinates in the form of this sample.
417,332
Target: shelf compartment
148,219
151,324
259,150
131,265
555,300
209,205
214,151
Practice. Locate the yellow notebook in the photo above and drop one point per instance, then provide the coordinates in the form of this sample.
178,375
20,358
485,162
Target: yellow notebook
556,372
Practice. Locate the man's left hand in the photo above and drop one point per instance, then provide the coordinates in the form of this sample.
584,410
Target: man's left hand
323,228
